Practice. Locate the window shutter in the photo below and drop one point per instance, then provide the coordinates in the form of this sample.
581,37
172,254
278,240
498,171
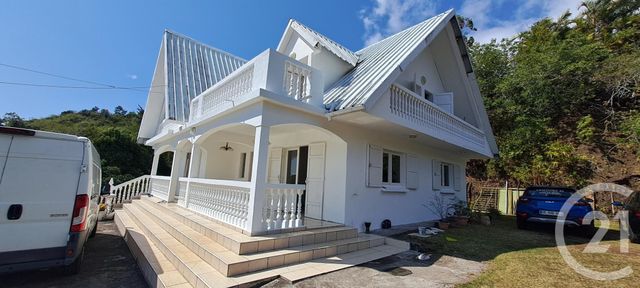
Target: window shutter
275,164
458,174
436,175
412,171
375,166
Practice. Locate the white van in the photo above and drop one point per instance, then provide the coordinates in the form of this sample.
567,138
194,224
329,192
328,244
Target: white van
49,193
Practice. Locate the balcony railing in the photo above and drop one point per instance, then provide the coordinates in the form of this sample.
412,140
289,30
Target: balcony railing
283,206
224,200
270,71
160,186
407,105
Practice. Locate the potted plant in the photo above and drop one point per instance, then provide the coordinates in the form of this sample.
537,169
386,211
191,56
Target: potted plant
461,213
440,207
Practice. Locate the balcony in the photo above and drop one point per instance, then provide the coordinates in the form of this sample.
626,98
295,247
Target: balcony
426,117
270,71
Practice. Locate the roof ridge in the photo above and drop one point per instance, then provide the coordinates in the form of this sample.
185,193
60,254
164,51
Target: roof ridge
405,29
166,30
350,57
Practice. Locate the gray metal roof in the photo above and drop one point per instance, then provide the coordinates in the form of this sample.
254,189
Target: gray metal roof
191,68
316,38
377,62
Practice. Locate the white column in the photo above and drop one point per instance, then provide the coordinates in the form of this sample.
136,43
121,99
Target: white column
258,179
194,166
154,166
177,169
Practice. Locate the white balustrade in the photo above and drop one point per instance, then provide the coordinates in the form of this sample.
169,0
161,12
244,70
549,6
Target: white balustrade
160,187
411,107
126,191
181,192
224,94
283,206
272,71
224,200
296,81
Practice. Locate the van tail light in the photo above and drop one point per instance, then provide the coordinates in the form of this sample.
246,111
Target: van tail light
637,214
80,210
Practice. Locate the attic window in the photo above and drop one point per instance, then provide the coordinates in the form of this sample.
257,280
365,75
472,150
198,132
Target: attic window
293,55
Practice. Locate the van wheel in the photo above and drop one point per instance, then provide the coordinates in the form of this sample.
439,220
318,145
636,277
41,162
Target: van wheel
74,268
94,231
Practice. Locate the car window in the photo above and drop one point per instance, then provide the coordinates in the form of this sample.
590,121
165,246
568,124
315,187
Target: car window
550,192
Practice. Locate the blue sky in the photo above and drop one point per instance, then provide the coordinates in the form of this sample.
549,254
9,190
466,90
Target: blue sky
116,42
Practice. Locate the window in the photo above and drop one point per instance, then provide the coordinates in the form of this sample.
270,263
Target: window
445,174
292,167
428,95
392,167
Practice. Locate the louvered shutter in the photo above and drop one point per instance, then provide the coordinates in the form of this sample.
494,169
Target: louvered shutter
458,174
375,166
437,185
275,164
412,171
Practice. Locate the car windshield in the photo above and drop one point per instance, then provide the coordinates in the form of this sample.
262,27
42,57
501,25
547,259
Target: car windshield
550,192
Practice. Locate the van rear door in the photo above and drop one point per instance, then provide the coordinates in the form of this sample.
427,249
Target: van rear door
41,175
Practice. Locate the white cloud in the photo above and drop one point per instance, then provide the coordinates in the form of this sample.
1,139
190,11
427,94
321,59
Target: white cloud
483,14
387,17
132,76
390,16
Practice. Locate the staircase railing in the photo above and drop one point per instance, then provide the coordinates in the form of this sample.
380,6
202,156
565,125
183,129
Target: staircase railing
126,191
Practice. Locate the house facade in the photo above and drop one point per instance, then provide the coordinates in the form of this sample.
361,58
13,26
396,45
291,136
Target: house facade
312,132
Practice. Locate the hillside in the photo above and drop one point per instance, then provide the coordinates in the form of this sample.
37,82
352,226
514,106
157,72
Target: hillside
563,99
113,135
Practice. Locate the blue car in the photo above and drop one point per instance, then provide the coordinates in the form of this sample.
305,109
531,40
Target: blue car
541,204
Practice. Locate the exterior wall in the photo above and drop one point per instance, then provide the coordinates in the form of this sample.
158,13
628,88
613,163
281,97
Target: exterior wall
424,64
221,164
438,63
371,204
332,67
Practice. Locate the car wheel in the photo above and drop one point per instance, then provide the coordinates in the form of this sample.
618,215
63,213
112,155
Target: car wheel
522,224
588,230
74,268
94,231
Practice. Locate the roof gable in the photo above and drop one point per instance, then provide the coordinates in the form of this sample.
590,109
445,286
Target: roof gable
185,68
379,60
317,39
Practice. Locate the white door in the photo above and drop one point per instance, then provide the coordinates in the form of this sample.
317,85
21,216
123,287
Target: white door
315,181
444,101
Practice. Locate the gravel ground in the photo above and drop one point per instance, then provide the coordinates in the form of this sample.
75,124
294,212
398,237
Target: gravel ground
107,263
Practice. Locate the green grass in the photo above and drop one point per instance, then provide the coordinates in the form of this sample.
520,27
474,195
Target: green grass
530,258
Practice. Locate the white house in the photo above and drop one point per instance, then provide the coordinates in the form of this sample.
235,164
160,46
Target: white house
313,134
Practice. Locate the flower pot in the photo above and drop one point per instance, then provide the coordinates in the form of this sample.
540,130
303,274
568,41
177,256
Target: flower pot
462,220
443,225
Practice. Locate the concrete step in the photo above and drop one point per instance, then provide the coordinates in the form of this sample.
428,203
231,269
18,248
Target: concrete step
234,240
156,269
171,255
230,264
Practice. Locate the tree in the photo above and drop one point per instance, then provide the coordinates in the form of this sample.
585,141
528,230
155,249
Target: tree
12,119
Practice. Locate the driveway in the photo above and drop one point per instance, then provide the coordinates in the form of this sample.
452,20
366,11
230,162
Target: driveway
400,270
107,263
